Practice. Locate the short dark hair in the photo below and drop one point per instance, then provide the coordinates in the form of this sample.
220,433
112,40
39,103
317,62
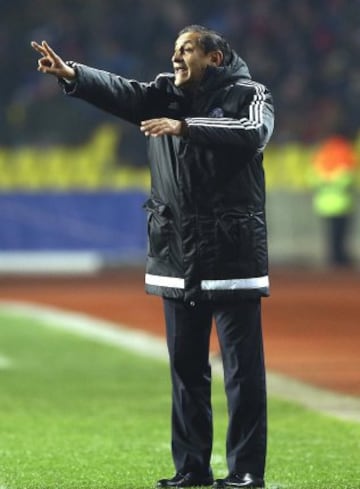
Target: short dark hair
210,40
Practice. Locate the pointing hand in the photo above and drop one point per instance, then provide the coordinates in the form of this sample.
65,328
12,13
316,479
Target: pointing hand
51,63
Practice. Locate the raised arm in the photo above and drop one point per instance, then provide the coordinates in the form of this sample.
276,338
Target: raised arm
130,100
51,63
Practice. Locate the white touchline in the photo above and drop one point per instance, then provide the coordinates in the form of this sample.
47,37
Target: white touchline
90,327
5,362
146,344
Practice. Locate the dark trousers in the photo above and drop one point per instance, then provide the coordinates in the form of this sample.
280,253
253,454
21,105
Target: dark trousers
240,337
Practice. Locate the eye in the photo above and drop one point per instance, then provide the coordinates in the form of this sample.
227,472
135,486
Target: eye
184,50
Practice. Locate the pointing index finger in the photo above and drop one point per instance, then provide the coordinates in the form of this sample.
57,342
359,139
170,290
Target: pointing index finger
38,47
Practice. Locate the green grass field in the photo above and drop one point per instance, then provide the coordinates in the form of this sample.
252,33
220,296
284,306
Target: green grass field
76,413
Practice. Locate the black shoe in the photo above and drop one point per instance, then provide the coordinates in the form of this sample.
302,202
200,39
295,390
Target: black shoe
240,480
190,479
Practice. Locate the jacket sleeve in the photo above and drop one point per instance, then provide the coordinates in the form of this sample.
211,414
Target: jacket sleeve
130,100
251,129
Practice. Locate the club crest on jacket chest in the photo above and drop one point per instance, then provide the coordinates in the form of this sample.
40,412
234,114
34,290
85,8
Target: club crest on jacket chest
217,112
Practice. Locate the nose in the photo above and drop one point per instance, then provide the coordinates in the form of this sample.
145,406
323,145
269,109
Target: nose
176,56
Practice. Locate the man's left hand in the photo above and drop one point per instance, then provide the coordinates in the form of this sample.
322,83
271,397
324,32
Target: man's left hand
162,127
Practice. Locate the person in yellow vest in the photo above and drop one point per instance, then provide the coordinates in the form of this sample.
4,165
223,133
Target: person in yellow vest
333,181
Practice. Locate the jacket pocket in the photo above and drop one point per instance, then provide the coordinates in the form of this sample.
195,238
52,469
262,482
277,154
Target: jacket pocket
234,236
158,228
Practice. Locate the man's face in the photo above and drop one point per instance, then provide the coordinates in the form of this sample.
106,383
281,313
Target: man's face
189,60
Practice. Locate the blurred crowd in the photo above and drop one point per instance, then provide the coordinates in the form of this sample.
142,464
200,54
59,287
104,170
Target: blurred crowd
307,52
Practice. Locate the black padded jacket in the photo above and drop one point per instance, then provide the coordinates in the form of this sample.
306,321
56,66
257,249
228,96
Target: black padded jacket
207,237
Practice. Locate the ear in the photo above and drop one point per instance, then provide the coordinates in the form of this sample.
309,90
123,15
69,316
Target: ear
216,58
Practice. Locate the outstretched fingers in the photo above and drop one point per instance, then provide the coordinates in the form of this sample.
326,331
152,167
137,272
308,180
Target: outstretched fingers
50,62
45,50
38,47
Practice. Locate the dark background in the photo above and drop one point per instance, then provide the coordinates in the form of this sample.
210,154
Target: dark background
306,52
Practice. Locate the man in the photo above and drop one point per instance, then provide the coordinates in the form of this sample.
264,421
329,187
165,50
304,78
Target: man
207,125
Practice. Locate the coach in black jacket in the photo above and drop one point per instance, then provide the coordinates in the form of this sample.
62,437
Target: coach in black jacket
207,126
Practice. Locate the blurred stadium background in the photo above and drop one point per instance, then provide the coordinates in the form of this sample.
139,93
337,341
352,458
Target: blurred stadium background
72,179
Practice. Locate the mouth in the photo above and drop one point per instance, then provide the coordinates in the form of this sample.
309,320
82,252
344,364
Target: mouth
180,70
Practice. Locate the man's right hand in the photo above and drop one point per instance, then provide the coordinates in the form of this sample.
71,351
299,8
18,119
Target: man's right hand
51,63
